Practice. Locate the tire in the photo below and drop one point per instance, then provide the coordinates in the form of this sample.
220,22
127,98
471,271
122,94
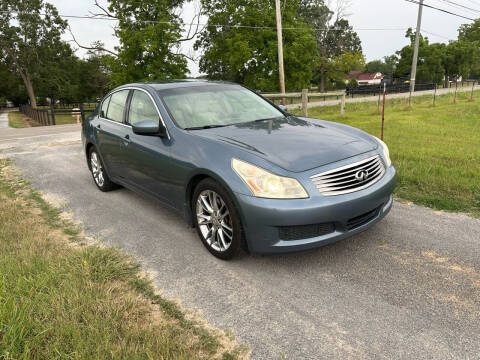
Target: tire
224,225
100,177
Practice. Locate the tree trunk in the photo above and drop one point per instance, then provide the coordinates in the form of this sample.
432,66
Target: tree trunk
28,84
25,77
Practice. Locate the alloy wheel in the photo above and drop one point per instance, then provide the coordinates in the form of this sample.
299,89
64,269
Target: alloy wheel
97,169
214,220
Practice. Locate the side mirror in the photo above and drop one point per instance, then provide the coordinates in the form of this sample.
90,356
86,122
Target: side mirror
148,127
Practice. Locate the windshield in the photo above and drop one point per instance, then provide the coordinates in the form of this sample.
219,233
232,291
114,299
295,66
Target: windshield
215,105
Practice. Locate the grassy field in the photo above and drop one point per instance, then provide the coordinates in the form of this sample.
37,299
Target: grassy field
17,120
63,299
436,150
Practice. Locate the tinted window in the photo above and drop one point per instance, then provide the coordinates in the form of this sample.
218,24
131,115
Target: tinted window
103,113
142,108
216,105
117,105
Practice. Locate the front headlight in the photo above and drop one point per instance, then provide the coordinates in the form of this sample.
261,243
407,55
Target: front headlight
267,185
386,152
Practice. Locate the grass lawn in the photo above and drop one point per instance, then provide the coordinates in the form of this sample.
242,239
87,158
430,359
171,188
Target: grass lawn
17,120
63,299
436,150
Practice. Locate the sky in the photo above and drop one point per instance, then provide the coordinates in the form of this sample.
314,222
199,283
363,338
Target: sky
381,24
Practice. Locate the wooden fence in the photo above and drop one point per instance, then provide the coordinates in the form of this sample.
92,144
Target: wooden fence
305,95
46,115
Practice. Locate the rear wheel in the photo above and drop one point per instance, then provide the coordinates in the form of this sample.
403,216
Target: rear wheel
100,177
216,219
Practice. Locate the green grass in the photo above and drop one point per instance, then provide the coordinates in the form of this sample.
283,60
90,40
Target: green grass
17,120
62,299
436,150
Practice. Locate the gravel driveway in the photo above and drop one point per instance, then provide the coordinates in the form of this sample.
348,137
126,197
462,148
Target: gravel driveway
409,288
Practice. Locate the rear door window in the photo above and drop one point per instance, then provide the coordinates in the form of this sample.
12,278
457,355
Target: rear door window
116,108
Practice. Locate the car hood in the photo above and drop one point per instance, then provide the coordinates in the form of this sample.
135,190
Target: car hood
295,144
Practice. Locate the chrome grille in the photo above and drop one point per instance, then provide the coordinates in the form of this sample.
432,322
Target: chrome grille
350,178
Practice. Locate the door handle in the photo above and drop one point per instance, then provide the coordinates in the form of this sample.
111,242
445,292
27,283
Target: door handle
98,126
126,140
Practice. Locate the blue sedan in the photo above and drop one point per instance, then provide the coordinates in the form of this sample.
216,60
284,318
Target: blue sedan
242,171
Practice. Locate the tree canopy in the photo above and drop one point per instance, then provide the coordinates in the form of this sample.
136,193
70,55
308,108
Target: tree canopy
30,40
240,51
438,61
150,34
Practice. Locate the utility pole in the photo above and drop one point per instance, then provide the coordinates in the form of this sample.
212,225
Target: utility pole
280,49
415,51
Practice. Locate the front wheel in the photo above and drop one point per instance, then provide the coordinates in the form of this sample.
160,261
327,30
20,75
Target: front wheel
216,220
100,177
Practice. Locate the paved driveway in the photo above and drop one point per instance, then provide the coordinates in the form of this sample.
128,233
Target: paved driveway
409,288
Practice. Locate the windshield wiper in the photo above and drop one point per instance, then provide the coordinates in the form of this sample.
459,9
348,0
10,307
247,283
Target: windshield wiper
268,119
204,127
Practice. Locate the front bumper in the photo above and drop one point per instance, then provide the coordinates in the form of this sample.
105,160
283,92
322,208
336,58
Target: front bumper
346,215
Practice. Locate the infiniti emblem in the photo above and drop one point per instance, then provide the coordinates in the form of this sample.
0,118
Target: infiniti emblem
361,175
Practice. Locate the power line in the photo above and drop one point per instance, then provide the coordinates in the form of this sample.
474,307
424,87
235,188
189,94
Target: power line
215,25
435,34
461,6
474,2
442,10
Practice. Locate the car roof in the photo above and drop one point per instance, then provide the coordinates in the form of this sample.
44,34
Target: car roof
173,84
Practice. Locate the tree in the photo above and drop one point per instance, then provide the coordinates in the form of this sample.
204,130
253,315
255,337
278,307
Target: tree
149,33
11,87
430,67
386,66
30,32
333,33
470,33
339,67
437,62
240,51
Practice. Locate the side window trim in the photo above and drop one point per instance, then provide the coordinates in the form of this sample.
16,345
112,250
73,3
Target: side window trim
152,103
128,104
101,107
126,113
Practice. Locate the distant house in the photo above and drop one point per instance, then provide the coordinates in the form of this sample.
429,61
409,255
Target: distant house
365,78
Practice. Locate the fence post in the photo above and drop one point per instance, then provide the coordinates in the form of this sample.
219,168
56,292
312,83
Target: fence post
82,113
456,88
383,110
473,88
378,103
342,105
304,102
435,95
52,111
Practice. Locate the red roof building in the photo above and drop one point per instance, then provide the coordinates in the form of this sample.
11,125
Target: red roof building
366,78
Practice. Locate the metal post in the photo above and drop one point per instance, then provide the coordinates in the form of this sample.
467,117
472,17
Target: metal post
413,74
473,88
52,111
435,95
456,87
383,110
342,105
304,102
280,49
